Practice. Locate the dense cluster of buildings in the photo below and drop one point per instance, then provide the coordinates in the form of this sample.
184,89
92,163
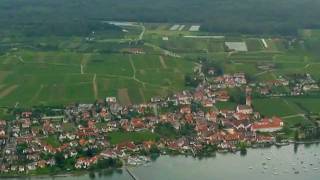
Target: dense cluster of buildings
32,139
289,86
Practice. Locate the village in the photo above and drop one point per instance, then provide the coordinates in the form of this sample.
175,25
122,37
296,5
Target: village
188,122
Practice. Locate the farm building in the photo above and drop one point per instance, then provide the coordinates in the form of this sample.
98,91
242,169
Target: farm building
237,46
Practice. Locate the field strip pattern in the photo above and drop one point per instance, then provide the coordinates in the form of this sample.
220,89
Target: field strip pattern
8,90
95,87
124,96
36,95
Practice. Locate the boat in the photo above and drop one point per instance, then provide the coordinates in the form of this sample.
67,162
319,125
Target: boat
282,144
250,167
268,158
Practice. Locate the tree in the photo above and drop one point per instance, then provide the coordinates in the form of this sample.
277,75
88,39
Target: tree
296,135
243,148
60,161
191,81
166,130
187,130
20,148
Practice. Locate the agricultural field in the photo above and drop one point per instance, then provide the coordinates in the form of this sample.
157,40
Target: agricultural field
276,106
60,70
56,77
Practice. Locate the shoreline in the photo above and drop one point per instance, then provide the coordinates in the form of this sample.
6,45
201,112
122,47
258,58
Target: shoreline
83,172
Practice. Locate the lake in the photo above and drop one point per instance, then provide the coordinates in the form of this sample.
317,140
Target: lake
285,163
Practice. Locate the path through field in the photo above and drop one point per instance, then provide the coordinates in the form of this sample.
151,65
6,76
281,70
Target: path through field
36,95
95,87
84,62
143,31
164,51
133,67
292,116
163,63
135,71
263,72
81,69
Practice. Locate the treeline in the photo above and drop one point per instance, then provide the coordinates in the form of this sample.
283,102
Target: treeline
60,28
234,16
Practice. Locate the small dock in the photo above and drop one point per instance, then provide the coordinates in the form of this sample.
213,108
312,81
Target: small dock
134,177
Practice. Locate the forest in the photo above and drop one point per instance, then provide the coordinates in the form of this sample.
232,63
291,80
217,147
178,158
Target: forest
281,17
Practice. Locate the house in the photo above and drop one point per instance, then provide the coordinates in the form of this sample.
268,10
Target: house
185,110
26,123
242,125
108,154
244,109
240,116
41,164
111,99
133,51
223,96
268,125
31,166
2,133
127,146
201,127
148,144
3,123
211,116
26,114
137,123
85,162
208,103
188,118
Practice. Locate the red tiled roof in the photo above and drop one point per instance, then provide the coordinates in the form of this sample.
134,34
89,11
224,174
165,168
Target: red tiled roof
266,123
137,123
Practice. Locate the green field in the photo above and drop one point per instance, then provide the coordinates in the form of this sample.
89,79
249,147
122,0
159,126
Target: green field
138,137
53,141
226,105
55,77
276,107
296,121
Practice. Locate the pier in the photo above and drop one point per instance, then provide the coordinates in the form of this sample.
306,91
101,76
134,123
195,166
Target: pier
134,177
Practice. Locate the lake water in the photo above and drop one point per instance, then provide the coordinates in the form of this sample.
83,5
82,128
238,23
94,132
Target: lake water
263,164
